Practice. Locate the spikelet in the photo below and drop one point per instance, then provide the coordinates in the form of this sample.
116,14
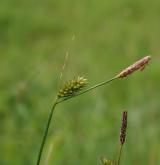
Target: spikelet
106,161
123,128
72,87
138,65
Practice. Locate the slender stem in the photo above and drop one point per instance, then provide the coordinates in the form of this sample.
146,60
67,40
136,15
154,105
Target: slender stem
52,110
119,156
46,132
89,89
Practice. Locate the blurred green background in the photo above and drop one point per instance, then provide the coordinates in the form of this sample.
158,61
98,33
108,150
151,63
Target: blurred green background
102,37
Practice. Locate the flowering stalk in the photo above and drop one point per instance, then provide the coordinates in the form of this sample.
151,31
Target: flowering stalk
138,65
75,88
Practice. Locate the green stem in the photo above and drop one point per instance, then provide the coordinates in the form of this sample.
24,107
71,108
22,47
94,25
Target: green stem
89,89
46,132
119,156
52,110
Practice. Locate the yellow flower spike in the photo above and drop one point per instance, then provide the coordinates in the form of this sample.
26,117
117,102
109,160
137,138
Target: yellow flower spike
72,87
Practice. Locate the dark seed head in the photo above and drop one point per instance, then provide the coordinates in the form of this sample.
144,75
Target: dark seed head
123,128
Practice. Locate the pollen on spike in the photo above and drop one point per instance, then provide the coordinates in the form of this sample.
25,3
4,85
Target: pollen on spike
71,87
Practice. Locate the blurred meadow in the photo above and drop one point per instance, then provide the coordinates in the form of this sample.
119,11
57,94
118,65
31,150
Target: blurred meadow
102,37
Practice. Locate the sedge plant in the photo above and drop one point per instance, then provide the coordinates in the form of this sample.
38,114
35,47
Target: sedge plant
77,87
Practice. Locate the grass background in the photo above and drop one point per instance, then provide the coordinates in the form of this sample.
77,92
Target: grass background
109,35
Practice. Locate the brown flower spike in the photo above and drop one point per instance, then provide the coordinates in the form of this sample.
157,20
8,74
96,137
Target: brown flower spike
123,128
139,65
